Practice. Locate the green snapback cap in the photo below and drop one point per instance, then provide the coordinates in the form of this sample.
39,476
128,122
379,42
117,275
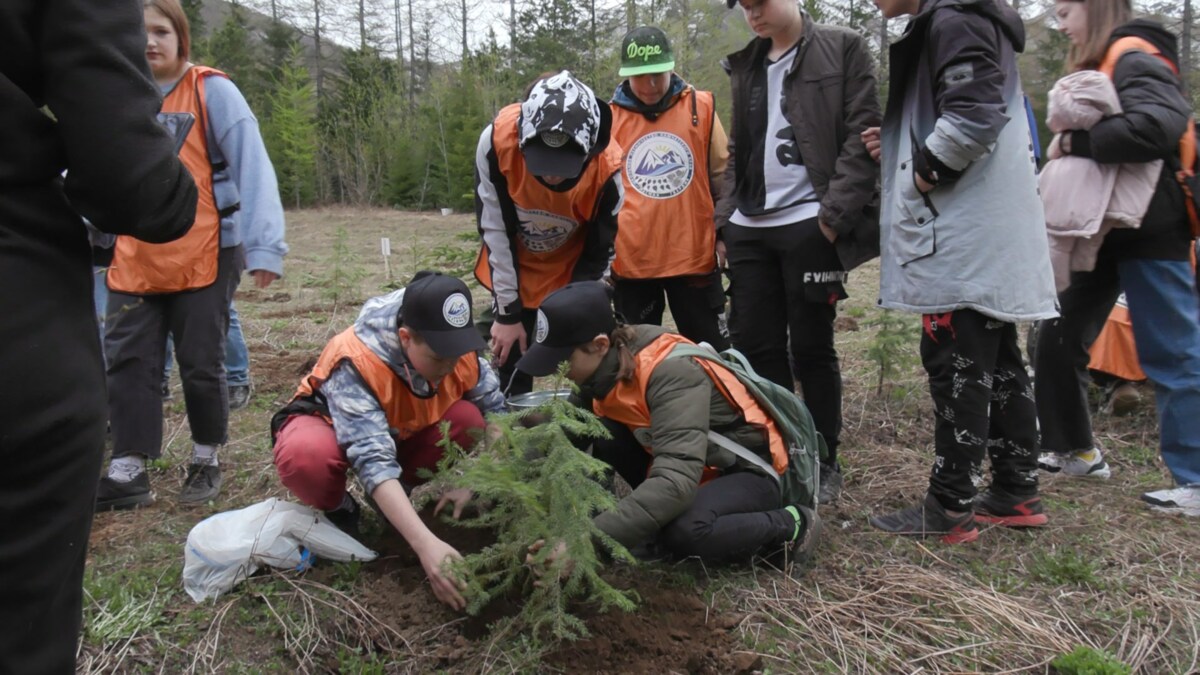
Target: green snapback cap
646,50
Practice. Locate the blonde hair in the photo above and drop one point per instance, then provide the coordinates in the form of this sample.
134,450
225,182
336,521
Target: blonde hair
173,11
1103,17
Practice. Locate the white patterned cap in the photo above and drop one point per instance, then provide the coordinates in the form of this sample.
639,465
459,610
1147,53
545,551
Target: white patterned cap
560,126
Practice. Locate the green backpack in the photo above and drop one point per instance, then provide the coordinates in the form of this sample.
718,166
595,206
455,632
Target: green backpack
799,483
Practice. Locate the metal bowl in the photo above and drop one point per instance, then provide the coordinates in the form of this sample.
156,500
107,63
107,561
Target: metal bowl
535,399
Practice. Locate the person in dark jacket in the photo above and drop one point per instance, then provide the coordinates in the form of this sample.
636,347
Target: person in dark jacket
690,495
964,244
800,205
84,61
1150,264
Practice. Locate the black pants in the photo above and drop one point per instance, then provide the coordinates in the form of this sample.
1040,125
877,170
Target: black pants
786,282
697,303
513,381
983,402
51,428
135,338
731,518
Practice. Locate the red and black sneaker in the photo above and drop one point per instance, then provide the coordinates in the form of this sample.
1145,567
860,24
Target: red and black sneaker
930,519
998,507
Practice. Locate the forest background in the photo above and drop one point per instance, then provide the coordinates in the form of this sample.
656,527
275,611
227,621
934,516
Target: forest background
381,102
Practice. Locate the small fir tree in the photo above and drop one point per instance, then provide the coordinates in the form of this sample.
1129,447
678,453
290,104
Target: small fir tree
541,488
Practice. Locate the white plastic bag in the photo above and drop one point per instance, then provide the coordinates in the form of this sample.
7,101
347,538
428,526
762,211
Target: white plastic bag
226,548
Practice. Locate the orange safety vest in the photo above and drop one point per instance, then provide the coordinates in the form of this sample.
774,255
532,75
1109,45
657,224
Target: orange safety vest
626,403
665,228
551,228
190,262
406,412
1187,143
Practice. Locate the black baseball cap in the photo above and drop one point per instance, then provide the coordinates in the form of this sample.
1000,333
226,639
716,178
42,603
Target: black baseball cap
646,50
568,317
438,308
561,124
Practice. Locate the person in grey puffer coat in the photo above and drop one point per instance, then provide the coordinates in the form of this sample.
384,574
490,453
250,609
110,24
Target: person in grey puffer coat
964,244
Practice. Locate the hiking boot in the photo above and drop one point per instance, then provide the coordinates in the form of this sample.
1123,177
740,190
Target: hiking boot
1124,399
998,507
1182,500
203,483
239,396
1075,464
805,545
166,391
113,495
831,484
929,519
346,517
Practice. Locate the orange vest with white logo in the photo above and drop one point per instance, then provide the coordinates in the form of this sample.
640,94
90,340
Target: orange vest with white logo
190,262
626,403
552,231
406,412
665,228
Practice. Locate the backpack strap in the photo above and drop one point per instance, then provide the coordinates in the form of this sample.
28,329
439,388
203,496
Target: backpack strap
745,453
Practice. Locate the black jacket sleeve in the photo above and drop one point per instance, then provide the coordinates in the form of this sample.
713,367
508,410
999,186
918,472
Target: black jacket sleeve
1154,117
602,232
123,174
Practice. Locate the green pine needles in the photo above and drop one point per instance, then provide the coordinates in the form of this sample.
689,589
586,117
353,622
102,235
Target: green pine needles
539,487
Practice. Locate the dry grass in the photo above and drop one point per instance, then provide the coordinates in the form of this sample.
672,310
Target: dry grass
1106,572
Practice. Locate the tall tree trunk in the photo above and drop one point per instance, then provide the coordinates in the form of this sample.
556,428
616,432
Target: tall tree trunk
631,21
317,51
1185,65
466,49
399,30
883,49
594,46
362,25
412,58
274,12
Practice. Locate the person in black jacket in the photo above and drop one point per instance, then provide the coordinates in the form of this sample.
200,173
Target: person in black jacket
84,61
1150,264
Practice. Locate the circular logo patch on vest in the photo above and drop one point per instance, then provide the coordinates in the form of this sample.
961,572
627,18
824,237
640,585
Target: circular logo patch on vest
543,328
660,165
542,231
456,310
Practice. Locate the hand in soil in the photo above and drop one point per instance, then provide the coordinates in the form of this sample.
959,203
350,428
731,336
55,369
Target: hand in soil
446,588
559,553
460,497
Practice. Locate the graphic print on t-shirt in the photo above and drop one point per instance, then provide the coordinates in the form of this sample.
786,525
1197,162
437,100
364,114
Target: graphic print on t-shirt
660,165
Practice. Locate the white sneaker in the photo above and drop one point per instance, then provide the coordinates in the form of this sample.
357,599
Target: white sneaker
1183,500
1074,464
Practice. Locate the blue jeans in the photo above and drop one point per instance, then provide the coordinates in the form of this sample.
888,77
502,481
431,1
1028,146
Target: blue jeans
1162,308
237,357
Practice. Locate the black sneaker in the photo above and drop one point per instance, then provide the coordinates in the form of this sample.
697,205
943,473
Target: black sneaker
203,483
114,495
239,396
998,507
929,519
805,545
831,484
345,518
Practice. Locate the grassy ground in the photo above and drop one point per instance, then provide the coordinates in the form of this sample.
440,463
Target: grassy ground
1107,574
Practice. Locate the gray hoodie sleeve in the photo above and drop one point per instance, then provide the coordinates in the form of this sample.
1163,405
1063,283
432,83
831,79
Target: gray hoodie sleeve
361,428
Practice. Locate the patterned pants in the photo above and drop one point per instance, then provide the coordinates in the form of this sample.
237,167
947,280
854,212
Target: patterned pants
983,402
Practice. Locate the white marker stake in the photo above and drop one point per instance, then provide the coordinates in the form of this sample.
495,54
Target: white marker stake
386,245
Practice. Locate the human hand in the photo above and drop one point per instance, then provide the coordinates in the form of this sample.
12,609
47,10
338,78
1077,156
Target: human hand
871,139
1055,149
503,338
922,185
460,497
263,278
447,589
830,233
558,553
722,255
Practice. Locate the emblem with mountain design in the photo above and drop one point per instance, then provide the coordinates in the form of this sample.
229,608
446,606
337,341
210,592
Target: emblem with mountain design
542,231
660,165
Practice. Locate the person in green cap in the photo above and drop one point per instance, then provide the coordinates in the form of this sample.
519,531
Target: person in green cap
675,157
